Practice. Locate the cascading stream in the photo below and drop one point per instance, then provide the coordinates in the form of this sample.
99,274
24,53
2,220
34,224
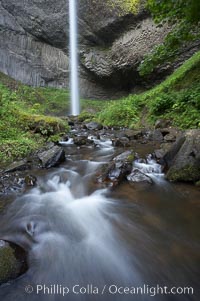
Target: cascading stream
80,237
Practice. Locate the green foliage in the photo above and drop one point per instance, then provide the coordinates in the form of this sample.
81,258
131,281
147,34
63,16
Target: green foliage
119,113
86,116
21,131
175,10
25,121
177,99
182,107
128,5
185,20
162,103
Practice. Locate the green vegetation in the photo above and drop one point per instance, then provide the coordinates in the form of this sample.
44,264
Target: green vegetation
22,129
177,99
127,5
29,117
26,124
184,17
10,266
123,112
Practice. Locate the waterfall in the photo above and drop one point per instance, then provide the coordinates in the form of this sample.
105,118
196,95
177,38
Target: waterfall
74,86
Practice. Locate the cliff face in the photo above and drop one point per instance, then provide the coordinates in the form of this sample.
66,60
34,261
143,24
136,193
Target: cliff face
31,41
34,44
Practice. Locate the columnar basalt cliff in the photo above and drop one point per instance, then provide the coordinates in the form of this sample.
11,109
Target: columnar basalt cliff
34,45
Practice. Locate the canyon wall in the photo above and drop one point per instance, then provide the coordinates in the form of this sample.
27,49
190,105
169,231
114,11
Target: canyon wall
34,42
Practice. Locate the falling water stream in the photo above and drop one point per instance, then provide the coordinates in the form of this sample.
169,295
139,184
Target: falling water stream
87,238
74,83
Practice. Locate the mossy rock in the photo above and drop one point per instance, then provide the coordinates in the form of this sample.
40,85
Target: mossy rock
183,159
44,125
12,261
188,173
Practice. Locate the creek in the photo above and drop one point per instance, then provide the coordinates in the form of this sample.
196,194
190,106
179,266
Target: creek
86,237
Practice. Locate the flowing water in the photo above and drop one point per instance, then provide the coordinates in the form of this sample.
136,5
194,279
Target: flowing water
74,83
89,240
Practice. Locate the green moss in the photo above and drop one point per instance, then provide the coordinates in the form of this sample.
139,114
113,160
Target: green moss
131,157
120,113
9,266
55,138
21,130
86,116
188,173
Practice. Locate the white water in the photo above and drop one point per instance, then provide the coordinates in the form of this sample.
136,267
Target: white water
70,141
73,236
71,240
74,83
150,168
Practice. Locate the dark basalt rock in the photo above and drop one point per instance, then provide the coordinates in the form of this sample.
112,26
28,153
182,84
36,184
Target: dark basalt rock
52,157
162,123
34,42
121,142
94,126
156,135
170,138
118,169
18,166
133,134
80,140
159,153
12,261
183,159
11,182
137,176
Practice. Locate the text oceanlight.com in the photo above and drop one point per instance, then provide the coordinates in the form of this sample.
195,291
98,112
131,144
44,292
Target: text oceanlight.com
57,289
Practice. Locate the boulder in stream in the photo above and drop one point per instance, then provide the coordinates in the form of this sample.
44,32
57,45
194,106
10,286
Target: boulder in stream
52,157
94,126
12,261
80,140
118,169
137,176
183,159
18,166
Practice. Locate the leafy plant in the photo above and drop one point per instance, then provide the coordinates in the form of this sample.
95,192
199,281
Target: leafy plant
184,19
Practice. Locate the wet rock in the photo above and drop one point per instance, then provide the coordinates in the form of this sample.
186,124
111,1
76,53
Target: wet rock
137,176
127,156
162,123
65,138
166,146
18,166
121,142
11,182
52,157
118,169
134,134
80,140
159,153
71,123
30,180
94,126
183,159
12,261
170,138
156,135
